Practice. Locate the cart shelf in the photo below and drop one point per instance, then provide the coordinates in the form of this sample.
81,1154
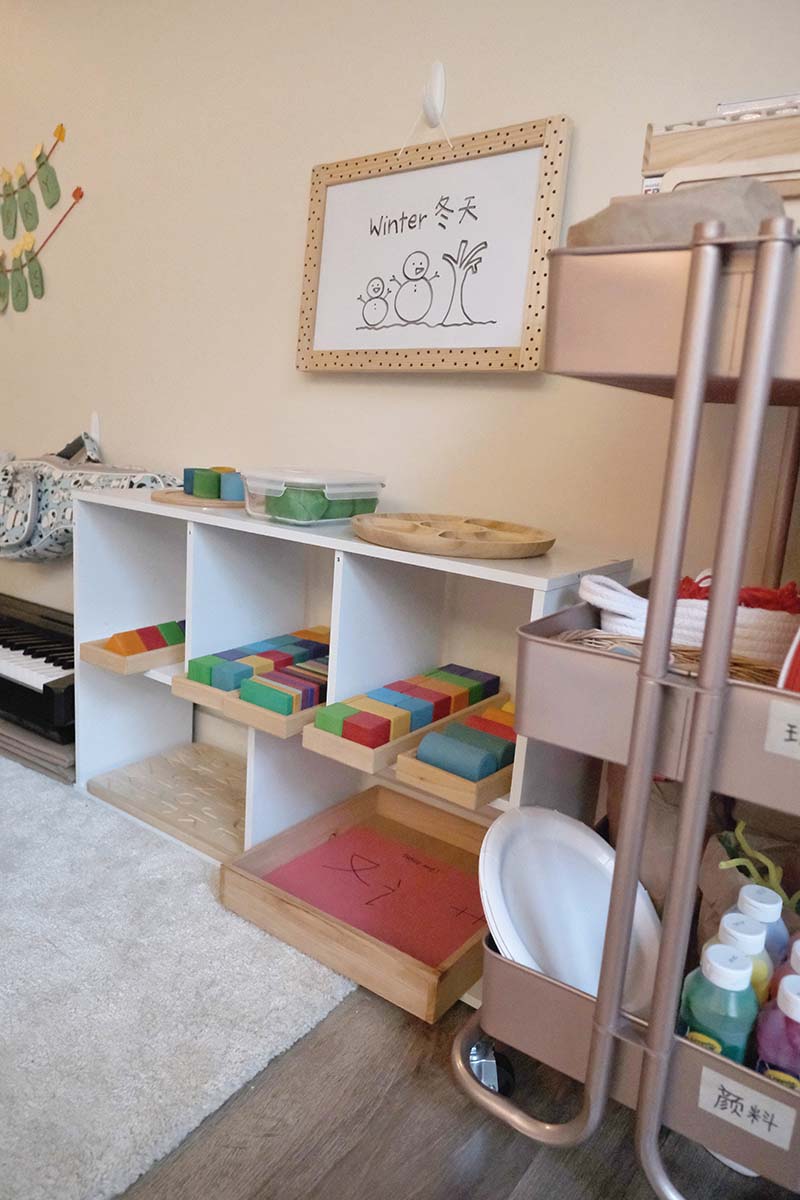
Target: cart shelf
582,698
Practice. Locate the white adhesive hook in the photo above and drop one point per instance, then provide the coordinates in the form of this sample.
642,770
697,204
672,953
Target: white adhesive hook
434,95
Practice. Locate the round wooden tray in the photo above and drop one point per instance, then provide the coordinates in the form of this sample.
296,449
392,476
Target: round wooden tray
178,496
457,537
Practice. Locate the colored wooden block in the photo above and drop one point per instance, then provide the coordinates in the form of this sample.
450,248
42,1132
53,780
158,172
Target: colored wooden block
509,707
421,710
317,633
398,718
182,625
172,633
501,731
126,643
474,688
228,676
224,470
501,748
332,717
199,669
307,691
152,637
231,486
459,758
316,690
260,664
284,639
367,729
206,483
238,652
441,704
188,480
277,699
491,683
459,695
277,658
315,649
498,714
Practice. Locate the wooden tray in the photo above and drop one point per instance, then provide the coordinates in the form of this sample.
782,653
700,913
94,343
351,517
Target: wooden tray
178,496
256,717
468,794
130,664
363,758
199,693
456,537
425,991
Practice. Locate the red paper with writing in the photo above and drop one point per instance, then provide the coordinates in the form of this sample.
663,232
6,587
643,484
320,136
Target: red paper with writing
388,889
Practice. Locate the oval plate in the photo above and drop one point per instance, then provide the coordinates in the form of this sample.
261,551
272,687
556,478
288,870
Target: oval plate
456,537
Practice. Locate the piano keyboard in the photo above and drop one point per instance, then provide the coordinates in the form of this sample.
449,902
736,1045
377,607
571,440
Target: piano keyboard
37,660
31,658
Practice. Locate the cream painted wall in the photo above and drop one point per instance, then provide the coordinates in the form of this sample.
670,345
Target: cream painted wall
172,292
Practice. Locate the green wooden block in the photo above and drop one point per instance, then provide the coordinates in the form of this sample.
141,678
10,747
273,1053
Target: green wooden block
172,633
200,669
332,717
498,747
206,484
473,686
298,653
255,692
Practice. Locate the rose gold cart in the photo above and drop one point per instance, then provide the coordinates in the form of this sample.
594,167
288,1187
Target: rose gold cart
732,330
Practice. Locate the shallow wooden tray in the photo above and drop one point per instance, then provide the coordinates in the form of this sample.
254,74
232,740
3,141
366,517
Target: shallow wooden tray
425,991
130,664
456,537
468,794
178,496
372,761
256,717
198,693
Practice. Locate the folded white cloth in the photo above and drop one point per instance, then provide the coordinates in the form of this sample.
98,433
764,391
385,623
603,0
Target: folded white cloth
761,634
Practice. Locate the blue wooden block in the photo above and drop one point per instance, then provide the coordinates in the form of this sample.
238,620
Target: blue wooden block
230,675
315,649
421,710
459,758
232,655
231,486
183,624
188,480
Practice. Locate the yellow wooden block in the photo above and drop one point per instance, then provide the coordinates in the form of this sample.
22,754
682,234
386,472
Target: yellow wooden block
509,707
459,695
398,718
499,716
261,666
315,633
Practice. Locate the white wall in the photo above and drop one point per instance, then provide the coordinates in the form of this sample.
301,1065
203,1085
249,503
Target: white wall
172,292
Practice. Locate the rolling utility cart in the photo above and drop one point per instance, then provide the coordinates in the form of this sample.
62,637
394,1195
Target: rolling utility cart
722,310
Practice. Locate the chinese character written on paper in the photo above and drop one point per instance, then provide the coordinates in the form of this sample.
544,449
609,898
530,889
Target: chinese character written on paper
443,212
791,732
468,209
728,1101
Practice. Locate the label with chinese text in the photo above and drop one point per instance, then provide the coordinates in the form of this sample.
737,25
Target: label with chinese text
783,728
747,1109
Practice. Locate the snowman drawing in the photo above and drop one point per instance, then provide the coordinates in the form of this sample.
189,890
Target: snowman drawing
414,296
375,307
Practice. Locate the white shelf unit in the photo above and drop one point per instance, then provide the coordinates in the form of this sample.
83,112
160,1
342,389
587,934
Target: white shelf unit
236,579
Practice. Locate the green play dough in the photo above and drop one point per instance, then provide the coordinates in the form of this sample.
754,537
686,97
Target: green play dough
365,506
206,484
298,504
337,510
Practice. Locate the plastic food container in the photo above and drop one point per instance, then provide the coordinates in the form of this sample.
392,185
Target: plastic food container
297,497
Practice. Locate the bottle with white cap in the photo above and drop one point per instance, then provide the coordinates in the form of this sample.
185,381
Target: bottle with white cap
718,1004
778,1036
790,967
766,906
747,936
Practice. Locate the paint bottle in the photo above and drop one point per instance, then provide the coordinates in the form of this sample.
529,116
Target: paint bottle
778,1036
718,1004
748,937
790,967
766,906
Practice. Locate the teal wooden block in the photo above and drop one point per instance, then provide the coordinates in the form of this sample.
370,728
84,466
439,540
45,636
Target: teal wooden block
459,758
230,675
502,750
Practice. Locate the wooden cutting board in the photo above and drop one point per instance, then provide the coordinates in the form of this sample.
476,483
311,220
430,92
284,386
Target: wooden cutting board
457,537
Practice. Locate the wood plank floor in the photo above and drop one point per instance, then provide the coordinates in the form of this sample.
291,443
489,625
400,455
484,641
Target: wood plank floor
364,1108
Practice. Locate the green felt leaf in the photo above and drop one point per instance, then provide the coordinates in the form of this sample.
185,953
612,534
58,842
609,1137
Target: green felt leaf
9,211
5,288
28,208
48,180
35,275
19,287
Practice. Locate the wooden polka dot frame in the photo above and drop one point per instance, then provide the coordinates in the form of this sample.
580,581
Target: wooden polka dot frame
552,134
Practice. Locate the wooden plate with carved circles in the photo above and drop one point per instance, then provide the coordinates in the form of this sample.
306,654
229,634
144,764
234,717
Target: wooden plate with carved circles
456,537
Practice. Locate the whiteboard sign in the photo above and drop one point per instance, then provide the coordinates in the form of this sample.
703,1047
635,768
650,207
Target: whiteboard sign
436,257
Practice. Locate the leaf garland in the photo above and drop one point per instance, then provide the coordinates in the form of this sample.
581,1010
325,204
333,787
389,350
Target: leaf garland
21,198
26,258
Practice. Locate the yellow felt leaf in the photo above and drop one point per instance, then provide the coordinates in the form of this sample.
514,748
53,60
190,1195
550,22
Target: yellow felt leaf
28,242
20,170
59,133
37,149
5,175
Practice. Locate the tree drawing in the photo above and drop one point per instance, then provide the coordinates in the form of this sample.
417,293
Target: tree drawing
463,266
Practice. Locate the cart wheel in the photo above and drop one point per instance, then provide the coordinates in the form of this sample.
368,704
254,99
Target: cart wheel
491,1069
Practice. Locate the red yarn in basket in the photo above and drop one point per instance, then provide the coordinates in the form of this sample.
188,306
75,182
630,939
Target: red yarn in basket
782,599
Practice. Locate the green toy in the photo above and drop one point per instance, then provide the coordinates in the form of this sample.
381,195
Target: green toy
9,209
19,286
298,504
48,180
28,208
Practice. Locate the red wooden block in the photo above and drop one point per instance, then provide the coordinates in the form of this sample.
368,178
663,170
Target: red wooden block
278,657
441,703
503,731
152,637
367,729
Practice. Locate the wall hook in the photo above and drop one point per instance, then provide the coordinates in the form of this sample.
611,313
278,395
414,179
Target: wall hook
434,96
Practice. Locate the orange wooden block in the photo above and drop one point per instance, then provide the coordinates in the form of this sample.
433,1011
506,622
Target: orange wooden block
313,635
499,715
126,643
460,696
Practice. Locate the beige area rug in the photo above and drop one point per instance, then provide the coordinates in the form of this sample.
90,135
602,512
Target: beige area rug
131,1003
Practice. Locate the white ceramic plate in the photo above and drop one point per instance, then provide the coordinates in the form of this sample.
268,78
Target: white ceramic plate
545,882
